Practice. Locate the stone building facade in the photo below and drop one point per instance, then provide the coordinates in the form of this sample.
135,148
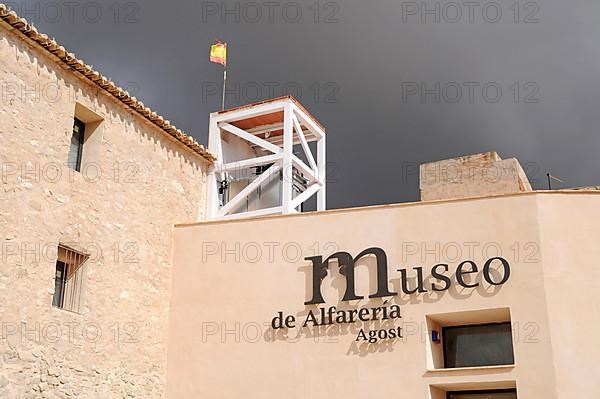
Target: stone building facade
108,265
475,175
138,175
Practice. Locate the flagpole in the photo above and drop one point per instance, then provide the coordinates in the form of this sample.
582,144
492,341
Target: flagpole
224,85
218,54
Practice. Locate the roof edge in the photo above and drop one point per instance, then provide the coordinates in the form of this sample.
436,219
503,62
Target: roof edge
51,46
287,97
390,206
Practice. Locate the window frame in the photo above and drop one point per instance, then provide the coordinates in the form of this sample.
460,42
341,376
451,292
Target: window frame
466,326
62,285
482,391
81,125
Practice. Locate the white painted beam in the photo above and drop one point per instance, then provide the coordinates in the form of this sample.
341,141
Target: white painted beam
266,128
250,112
309,122
305,147
250,137
288,148
322,174
249,163
305,196
212,194
308,172
236,201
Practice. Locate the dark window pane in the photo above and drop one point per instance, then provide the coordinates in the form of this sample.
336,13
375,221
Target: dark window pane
501,394
76,146
478,345
60,281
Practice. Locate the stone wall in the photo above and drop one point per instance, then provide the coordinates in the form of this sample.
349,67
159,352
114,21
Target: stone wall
136,182
476,175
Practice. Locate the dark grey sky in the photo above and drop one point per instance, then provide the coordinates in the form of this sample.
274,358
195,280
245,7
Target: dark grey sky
355,65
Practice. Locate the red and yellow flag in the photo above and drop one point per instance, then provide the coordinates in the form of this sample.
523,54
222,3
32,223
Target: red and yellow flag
218,53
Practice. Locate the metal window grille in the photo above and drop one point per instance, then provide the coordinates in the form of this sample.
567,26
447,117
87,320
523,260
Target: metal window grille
68,280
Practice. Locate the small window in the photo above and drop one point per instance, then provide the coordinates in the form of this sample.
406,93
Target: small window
68,279
478,345
76,146
495,394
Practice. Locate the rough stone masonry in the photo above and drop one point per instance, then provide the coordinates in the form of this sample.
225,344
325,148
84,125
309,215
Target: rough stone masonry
136,181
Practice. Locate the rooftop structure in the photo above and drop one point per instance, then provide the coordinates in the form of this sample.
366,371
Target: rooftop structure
477,175
256,171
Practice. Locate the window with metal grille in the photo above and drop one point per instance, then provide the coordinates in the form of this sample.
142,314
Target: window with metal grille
76,146
495,394
68,279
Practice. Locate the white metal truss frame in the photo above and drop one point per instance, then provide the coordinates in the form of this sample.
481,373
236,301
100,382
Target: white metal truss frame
281,158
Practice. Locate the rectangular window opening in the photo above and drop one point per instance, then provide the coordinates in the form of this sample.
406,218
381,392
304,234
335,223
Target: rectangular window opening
76,146
492,394
478,345
68,279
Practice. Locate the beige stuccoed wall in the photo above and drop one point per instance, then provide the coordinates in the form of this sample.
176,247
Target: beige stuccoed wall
570,233
219,300
124,219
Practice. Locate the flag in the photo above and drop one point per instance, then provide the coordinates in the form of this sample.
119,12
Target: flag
218,53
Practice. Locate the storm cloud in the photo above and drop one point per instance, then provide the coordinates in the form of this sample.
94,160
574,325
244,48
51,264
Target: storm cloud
395,83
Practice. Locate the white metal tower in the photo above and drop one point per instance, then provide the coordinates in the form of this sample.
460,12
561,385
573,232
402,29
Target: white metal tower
257,171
